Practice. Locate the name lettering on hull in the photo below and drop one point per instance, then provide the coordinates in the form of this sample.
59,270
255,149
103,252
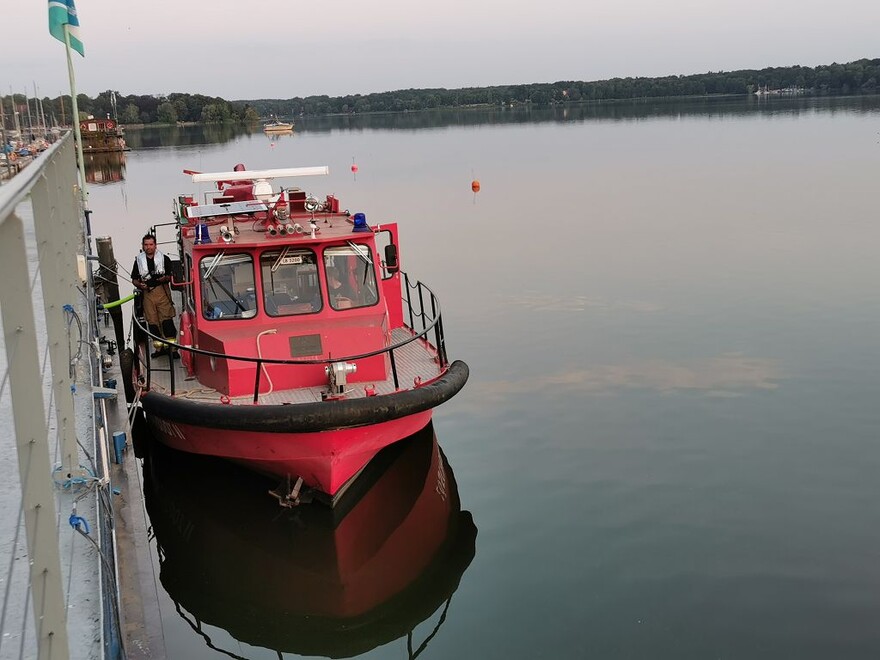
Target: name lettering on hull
441,477
168,428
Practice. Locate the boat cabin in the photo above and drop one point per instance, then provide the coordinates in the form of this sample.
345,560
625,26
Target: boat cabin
281,276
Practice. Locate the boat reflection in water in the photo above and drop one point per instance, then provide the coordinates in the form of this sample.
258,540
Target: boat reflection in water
277,136
105,167
311,580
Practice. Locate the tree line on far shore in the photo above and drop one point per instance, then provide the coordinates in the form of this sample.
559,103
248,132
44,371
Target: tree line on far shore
858,77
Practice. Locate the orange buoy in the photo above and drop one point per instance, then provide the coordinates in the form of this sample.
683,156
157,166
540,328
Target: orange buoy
475,186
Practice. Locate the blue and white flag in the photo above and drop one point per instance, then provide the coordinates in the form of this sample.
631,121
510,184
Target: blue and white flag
61,13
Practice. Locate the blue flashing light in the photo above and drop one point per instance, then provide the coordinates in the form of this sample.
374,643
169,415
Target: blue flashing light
360,222
202,235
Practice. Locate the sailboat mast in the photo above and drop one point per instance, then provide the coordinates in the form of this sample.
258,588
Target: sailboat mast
27,103
15,113
38,107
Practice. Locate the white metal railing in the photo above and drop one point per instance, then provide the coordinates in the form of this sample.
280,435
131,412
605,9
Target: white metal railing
42,253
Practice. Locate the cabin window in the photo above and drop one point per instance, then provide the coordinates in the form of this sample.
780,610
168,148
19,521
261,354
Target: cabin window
227,283
290,282
351,276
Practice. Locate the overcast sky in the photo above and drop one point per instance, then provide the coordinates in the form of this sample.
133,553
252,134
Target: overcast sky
245,49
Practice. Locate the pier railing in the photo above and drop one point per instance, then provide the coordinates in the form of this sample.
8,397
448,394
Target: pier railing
51,565
421,309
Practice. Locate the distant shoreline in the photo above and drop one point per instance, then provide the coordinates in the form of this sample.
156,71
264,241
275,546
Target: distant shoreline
860,77
659,100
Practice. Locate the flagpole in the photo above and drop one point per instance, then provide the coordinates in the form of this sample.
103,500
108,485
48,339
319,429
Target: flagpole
80,161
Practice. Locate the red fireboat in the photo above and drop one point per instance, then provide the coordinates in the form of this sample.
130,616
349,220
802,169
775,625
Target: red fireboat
303,347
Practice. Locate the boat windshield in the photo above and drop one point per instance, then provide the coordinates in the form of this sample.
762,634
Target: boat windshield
290,282
351,276
227,283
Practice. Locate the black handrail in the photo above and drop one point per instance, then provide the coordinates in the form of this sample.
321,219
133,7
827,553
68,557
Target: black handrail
435,324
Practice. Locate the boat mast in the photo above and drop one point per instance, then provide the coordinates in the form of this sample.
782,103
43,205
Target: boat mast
15,113
3,141
61,100
30,119
42,114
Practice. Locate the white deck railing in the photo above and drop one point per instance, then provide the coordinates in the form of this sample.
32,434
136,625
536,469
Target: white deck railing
44,289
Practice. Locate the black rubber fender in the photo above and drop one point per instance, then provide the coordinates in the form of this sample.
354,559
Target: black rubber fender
309,417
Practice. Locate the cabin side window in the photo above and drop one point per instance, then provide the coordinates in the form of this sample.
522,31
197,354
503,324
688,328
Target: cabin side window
351,276
190,299
227,285
290,282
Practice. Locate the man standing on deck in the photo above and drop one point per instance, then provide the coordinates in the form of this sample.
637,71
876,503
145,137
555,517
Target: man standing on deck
151,274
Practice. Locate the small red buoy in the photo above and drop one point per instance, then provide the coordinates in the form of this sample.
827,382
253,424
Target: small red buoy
475,186
354,168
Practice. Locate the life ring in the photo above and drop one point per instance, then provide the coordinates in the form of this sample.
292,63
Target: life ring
186,339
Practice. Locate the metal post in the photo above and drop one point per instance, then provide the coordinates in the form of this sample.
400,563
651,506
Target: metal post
110,285
409,300
422,307
54,219
256,380
394,370
84,193
31,439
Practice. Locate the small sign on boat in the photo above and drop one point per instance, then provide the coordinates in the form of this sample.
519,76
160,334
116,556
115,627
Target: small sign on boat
291,260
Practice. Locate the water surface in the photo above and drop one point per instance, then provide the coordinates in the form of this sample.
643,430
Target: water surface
669,442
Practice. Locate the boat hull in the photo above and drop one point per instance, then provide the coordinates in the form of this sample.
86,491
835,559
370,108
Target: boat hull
326,460
325,443
317,582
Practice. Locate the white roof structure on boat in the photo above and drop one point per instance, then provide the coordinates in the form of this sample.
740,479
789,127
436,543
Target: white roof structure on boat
252,175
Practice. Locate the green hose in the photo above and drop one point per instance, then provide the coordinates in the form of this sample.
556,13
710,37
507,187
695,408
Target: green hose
117,303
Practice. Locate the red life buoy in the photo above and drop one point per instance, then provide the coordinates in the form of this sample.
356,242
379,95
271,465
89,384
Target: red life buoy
109,124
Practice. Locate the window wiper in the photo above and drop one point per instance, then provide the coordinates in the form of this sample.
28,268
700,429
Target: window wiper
281,256
362,251
209,271
209,277
213,280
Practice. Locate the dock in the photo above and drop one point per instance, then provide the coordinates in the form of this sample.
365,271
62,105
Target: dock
75,561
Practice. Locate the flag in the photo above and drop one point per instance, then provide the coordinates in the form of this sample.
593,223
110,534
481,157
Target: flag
61,13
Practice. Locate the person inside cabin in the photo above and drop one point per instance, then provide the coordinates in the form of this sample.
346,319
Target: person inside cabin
340,292
151,275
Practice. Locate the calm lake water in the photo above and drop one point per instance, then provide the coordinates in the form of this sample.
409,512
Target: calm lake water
669,443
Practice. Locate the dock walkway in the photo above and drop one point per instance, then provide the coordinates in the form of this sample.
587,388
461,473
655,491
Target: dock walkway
75,562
